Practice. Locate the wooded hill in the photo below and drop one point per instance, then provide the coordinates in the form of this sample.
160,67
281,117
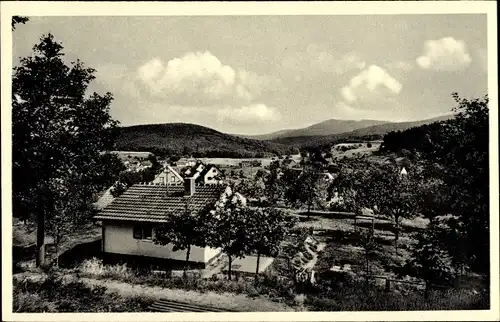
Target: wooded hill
200,141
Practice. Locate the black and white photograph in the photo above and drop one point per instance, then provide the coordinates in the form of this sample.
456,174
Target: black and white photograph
219,163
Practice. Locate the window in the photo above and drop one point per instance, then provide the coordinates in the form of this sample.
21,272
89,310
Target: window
143,232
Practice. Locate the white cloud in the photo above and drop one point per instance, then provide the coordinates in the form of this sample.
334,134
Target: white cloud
445,54
369,82
201,79
249,114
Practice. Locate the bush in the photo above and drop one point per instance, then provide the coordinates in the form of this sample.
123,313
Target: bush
95,268
54,295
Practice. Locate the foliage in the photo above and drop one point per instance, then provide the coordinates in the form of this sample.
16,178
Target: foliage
251,188
430,261
230,229
307,188
273,187
58,133
53,295
186,229
455,153
17,20
128,178
268,229
369,244
380,188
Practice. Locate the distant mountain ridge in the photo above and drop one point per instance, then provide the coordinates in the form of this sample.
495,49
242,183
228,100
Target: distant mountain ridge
373,130
328,127
335,126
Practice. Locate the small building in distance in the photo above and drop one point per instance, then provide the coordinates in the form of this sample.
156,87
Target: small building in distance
250,163
290,163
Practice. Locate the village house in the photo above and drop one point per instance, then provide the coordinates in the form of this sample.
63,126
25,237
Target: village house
290,163
129,223
169,175
185,162
203,174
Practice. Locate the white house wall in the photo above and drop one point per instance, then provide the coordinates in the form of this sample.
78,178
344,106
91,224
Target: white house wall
118,239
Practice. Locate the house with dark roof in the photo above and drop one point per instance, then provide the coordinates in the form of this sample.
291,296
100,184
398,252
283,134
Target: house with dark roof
203,174
129,222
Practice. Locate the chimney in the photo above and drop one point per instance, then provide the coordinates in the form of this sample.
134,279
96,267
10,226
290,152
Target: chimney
189,186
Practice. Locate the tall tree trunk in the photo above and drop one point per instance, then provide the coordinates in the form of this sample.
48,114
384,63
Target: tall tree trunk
396,233
40,233
367,264
258,263
56,245
187,258
230,266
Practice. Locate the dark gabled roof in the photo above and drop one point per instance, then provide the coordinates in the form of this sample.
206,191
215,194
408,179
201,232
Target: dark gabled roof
206,169
155,202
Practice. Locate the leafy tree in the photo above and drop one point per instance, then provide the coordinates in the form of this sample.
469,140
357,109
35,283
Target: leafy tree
430,261
379,188
187,151
449,233
309,189
58,132
368,242
251,188
268,229
185,230
272,183
455,154
390,194
17,20
463,150
231,225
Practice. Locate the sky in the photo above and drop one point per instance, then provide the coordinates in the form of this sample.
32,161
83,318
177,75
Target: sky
259,74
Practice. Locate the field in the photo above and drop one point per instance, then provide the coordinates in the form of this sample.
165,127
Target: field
362,150
126,155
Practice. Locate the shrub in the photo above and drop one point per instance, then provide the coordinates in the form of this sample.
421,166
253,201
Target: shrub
95,268
31,303
54,295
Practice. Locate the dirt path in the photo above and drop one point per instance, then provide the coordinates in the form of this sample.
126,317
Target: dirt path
231,301
238,302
